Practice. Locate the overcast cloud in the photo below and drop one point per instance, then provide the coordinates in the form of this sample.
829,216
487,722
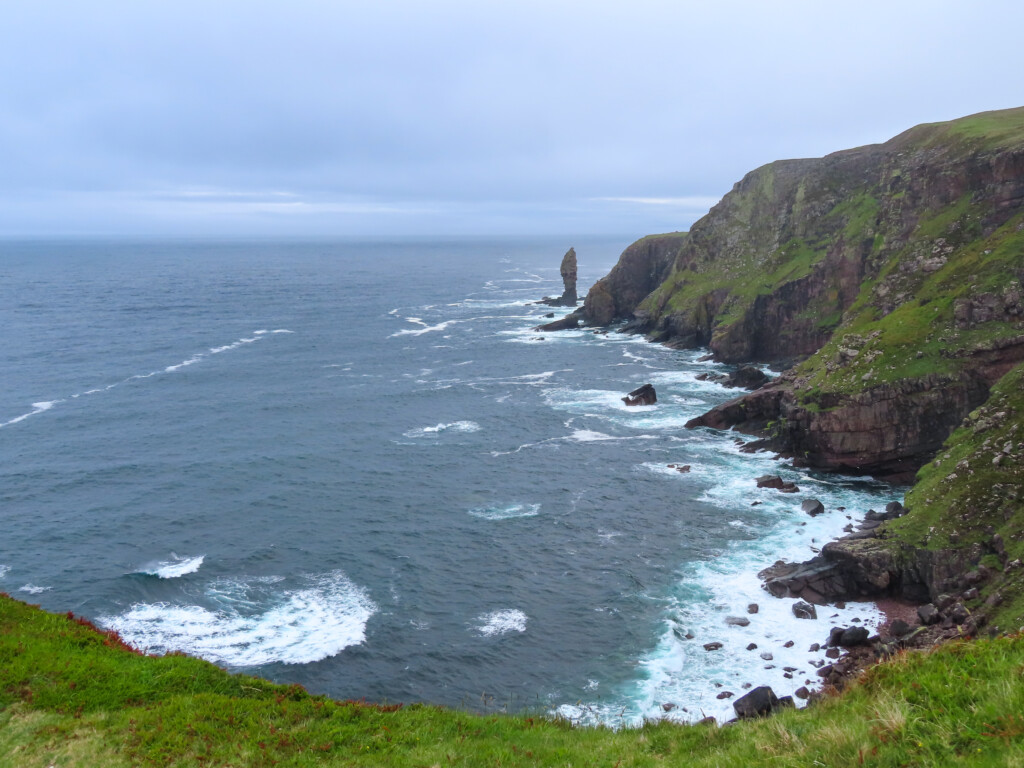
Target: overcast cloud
316,117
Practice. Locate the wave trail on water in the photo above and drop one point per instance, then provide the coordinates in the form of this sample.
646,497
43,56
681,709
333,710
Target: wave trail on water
454,426
4,570
46,405
506,511
501,622
32,589
173,568
255,623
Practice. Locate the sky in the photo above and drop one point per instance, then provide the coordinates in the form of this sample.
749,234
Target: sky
458,117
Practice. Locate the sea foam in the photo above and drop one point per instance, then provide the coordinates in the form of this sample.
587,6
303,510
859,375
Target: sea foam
506,511
254,626
175,567
501,622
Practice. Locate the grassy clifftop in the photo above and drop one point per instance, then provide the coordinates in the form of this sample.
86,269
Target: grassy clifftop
71,696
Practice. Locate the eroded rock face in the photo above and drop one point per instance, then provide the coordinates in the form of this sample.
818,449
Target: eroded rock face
641,268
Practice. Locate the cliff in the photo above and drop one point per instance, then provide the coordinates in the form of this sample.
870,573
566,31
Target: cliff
888,278
890,273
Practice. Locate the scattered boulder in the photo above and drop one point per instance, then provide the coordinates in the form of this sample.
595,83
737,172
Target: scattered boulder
774,481
747,377
752,646
928,614
644,395
570,321
753,608
854,636
766,656
715,646
802,692
899,628
812,507
668,706
804,610
959,613
737,621
725,695
761,701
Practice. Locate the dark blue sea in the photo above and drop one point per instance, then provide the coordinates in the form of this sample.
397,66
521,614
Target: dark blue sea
355,466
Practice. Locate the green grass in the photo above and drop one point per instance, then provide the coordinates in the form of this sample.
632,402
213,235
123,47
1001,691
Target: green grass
70,696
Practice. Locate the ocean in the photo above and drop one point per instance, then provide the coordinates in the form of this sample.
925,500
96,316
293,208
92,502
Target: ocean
357,467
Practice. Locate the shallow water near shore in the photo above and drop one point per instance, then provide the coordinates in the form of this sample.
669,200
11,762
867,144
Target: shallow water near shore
355,466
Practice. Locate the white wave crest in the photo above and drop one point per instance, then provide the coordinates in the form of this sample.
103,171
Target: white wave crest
501,622
39,407
299,626
506,512
454,426
32,589
175,567
4,569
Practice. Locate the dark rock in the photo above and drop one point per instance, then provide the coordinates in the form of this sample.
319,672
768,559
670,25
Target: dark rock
770,481
894,509
928,614
832,653
812,507
752,646
737,621
707,721
942,602
668,706
747,377
802,692
804,610
766,656
758,703
899,628
725,695
853,637
959,613
644,395
788,644
814,648
993,600
715,646
833,636
570,321
971,594
789,488
753,608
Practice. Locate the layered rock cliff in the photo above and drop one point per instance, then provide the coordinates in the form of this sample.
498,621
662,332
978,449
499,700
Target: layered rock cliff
887,281
891,274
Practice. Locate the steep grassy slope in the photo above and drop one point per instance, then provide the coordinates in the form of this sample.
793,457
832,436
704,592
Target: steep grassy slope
70,696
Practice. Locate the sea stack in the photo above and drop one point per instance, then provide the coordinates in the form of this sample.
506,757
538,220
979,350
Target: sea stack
568,270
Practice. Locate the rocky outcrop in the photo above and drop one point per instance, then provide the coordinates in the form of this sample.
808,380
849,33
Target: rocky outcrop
568,272
644,395
641,268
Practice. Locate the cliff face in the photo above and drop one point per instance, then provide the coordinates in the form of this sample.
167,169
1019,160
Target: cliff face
891,272
641,268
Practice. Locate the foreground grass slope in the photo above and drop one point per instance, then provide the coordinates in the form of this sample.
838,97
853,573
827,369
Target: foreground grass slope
71,696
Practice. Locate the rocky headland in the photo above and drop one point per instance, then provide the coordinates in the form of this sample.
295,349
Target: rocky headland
885,283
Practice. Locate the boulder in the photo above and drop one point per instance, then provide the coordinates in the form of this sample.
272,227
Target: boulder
747,377
770,481
715,646
812,507
854,636
570,321
737,621
644,395
761,701
899,628
753,608
804,610
928,614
